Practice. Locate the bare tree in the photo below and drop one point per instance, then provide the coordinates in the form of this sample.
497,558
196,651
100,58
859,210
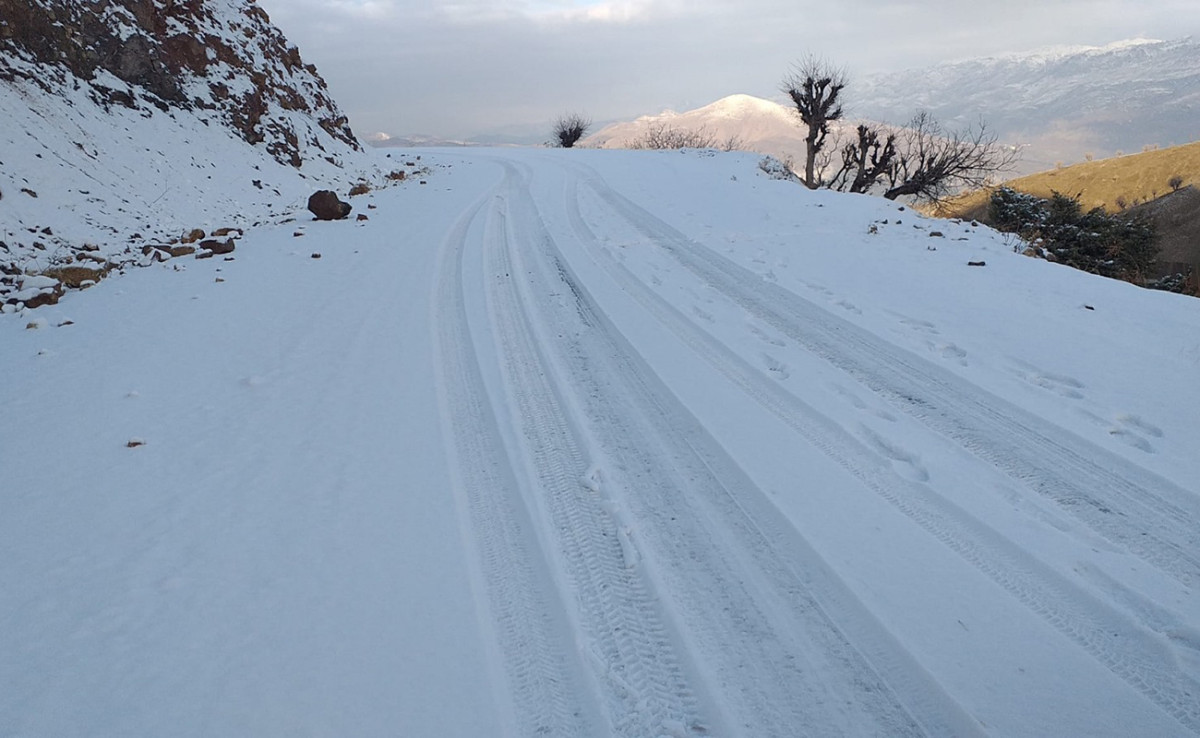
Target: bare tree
864,161
815,89
568,129
932,162
662,136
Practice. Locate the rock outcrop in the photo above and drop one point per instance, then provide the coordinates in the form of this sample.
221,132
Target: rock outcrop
126,123
221,58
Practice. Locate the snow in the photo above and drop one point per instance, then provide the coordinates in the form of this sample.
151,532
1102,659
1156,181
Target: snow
602,443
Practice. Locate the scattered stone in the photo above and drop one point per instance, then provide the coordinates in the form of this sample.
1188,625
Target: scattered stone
976,263
218,247
194,235
316,255
66,322
219,279
135,442
424,182
325,205
371,206
361,188
204,254
936,234
35,325
297,234
76,277
29,192
180,250
361,218
1088,307
222,232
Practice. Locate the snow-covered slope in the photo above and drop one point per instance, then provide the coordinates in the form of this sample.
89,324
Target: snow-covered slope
1062,103
596,443
124,125
753,123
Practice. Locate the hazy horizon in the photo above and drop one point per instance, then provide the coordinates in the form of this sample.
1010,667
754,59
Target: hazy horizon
465,68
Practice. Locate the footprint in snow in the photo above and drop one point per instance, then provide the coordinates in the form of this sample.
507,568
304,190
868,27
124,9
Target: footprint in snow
1061,384
1132,431
848,306
953,353
761,335
777,368
920,326
905,462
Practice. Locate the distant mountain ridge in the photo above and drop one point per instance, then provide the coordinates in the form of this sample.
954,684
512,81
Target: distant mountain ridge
1059,103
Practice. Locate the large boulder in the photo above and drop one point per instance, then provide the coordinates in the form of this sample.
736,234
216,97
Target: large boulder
325,205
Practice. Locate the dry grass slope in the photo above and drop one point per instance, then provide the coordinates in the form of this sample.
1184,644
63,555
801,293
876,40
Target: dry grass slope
1114,184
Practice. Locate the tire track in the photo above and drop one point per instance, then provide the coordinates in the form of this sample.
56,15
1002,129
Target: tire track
544,691
752,600
1135,509
1125,648
644,691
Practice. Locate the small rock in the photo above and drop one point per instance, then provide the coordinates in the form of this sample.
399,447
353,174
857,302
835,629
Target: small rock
218,247
218,279
976,263
361,218
316,255
297,234
35,325
135,442
325,205
936,234
194,235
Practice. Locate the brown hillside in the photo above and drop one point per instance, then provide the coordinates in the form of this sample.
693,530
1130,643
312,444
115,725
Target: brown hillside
1114,184
1176,218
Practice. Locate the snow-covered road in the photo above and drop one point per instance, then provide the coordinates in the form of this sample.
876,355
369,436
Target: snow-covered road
582,443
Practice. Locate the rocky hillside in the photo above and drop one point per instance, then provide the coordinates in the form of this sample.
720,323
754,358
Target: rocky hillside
125,124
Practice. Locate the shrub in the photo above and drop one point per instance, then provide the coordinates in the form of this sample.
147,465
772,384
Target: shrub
569,129
662,136
1094,241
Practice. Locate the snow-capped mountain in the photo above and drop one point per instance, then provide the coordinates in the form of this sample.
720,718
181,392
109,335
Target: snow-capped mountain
1061,103
126,123
754,123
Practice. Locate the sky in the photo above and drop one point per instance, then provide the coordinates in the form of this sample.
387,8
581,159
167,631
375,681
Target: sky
460,68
